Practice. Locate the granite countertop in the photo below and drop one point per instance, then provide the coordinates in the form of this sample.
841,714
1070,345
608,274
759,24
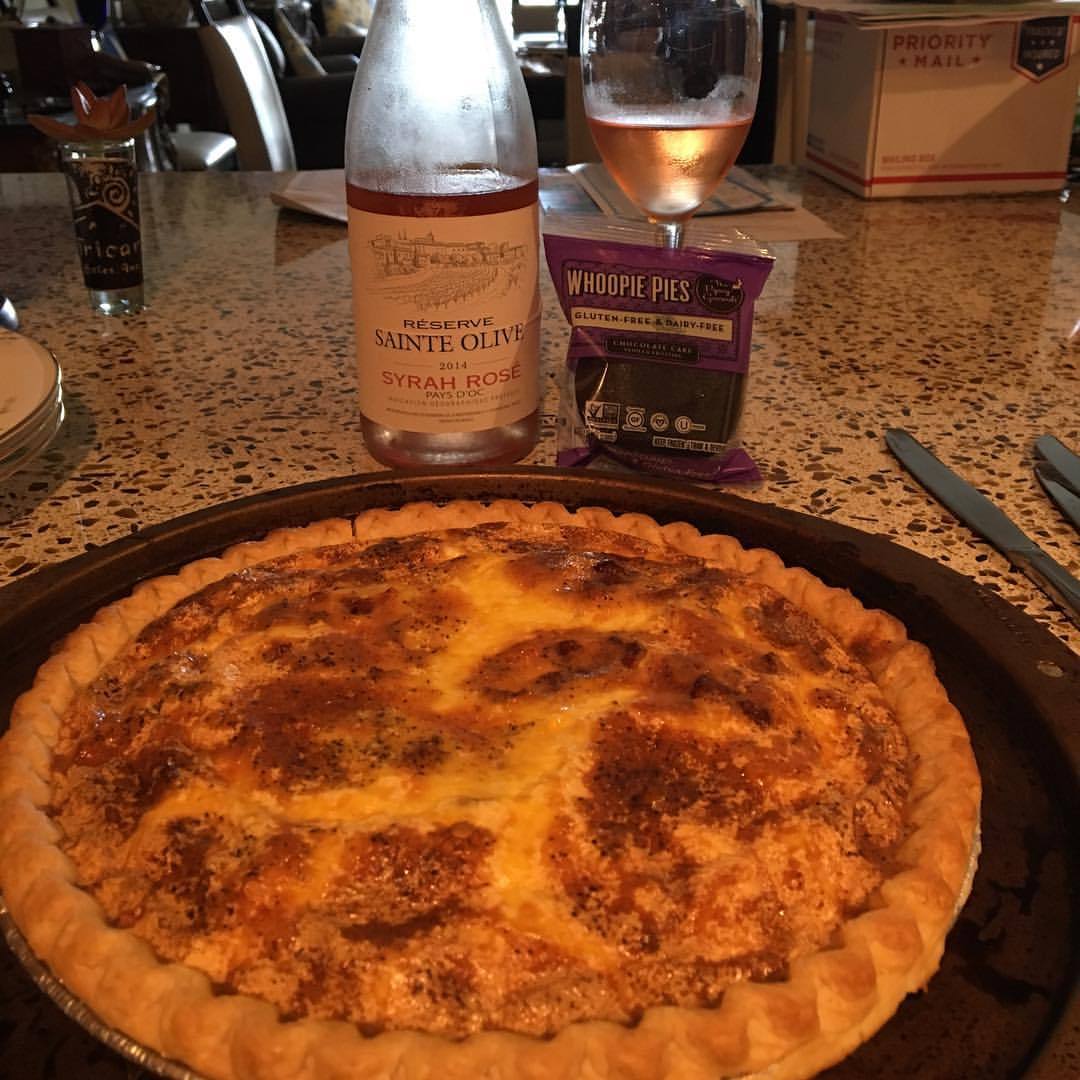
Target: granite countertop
958,319
954,318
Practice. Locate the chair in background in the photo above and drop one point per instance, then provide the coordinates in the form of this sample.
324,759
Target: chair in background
193,101
286,121
315,76
337,22
333,46
533,18
198,151
248,90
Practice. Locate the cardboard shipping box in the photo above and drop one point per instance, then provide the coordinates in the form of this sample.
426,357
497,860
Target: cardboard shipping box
943,109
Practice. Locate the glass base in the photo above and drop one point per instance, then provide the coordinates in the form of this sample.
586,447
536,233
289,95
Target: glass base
127,301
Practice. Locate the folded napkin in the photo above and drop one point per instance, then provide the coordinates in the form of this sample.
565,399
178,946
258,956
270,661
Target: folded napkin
737,204
320,192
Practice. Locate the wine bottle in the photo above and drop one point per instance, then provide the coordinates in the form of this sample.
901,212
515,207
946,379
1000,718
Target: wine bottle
441,180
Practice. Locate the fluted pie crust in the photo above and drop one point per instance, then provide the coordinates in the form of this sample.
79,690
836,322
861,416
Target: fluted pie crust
628,775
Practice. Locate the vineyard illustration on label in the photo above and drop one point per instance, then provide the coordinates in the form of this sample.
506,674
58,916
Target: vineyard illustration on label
428,274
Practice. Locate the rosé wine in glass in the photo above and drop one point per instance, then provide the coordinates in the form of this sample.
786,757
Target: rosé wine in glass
670,88
668,170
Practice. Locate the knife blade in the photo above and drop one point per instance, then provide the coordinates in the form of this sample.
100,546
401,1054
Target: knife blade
977,512
1062,458
1059,491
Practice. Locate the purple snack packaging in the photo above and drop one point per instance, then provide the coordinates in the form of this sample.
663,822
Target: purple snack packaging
659,350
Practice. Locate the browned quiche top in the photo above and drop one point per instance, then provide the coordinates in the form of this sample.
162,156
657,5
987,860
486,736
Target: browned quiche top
482,779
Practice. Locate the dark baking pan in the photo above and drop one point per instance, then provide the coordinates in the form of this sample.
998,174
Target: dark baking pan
999,1007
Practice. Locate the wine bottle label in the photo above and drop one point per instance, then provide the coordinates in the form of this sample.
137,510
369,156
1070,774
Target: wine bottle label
447,312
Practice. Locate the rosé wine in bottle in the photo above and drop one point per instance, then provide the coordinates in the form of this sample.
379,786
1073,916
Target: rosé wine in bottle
441,183
668,170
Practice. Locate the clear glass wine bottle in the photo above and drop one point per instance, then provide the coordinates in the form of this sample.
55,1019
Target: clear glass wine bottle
441,179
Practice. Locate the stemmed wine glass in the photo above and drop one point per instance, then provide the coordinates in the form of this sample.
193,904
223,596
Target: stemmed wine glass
670,88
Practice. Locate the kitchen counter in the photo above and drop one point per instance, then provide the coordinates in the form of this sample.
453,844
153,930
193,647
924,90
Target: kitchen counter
958,319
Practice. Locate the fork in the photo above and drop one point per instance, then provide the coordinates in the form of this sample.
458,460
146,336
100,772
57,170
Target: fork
1058,470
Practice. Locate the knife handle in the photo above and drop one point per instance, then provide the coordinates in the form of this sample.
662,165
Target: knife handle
1054,578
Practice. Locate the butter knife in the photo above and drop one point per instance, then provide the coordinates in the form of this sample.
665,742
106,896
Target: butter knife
982,516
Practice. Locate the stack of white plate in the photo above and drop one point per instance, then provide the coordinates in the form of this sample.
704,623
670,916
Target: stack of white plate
31,401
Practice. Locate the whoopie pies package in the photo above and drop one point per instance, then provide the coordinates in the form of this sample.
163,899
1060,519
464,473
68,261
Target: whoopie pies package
659,349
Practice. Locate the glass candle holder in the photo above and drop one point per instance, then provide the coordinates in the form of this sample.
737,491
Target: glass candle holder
103,183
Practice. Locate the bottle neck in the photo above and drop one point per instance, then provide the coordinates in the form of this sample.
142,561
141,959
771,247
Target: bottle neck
422,11
455,24
439,98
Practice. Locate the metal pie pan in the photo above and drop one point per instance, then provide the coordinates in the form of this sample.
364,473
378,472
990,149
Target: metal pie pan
78,1011
1003,1002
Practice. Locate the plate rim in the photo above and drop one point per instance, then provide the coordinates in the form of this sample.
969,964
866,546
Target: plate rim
35,443
48,399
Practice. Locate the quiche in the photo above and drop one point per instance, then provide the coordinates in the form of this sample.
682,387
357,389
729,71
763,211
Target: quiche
489,791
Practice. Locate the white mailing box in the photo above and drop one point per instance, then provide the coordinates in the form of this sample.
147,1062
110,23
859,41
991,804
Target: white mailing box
943,109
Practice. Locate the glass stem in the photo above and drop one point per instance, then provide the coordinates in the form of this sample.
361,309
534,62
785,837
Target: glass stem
673,233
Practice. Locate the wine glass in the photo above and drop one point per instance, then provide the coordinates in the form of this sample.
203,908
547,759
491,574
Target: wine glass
670,88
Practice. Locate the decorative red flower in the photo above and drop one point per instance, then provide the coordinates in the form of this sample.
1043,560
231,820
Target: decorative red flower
102,114
95,118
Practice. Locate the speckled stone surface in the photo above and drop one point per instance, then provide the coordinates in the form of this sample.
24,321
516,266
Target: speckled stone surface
958,319
954,318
